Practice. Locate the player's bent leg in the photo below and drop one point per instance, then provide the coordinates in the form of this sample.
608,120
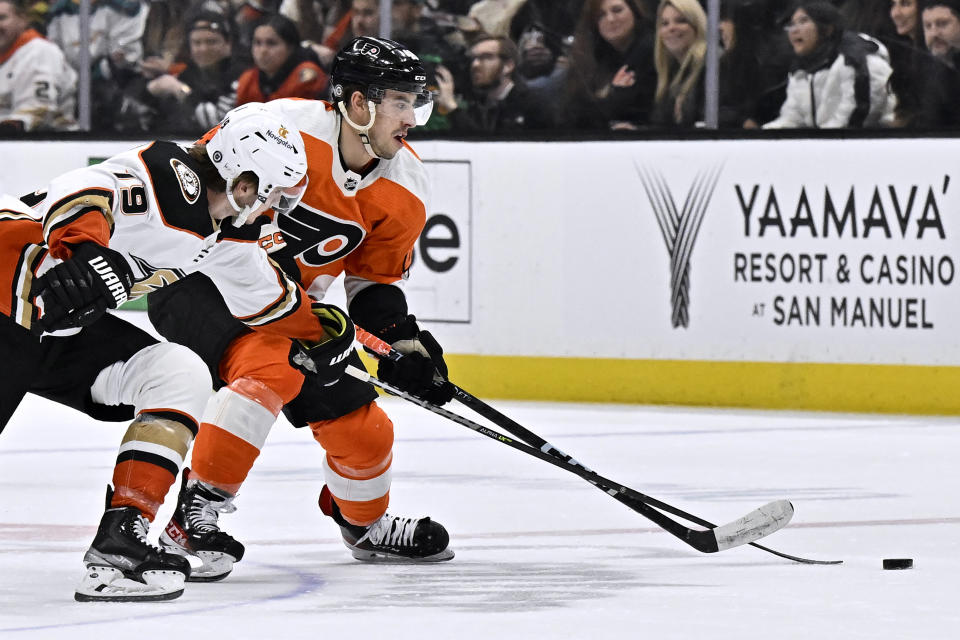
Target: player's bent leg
232,432
357,471
167,385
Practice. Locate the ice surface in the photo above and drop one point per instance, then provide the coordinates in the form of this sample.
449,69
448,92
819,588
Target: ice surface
540,553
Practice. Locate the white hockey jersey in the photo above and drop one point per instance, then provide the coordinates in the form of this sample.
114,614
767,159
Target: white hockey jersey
37,86
150,206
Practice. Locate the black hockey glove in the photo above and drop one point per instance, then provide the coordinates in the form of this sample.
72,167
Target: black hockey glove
421,371
326,361
78,291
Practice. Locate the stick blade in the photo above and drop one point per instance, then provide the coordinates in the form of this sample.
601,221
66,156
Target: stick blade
757,524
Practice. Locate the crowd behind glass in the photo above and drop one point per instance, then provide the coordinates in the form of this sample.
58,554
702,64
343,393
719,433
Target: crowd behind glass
496,66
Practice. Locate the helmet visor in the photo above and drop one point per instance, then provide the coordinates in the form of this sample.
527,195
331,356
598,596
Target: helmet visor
290,197
280,199
400,106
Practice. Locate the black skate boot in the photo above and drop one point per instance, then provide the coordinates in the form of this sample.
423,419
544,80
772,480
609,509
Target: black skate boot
123,567
193,530
391,538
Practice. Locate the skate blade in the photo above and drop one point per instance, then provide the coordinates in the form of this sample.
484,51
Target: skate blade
380,557
108,584
216,566
205,566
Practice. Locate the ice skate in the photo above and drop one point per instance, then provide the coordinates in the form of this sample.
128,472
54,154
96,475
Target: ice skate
193,530
392,539
123,567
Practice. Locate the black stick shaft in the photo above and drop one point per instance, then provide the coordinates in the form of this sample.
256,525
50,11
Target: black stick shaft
614,489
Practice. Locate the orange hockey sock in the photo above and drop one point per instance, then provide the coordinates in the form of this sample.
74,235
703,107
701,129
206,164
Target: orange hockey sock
221,458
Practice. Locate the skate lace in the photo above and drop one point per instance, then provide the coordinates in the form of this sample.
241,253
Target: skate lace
202,514
393,530
139,526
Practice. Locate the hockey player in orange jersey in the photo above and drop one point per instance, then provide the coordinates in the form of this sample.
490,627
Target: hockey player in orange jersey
97,236
364,208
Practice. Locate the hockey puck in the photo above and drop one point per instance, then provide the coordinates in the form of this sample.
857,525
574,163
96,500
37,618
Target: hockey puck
898,563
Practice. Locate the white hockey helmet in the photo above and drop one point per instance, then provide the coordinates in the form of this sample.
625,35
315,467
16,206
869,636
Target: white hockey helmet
252,138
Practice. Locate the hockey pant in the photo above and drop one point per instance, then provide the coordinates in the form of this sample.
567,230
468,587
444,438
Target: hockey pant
259,382
114,371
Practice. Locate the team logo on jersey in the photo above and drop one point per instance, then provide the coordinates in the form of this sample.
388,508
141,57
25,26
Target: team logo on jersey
155,277
317,238
350,184
679,227
189,181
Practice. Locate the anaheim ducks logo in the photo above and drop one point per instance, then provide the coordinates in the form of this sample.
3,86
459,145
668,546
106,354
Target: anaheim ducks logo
154,278
189,182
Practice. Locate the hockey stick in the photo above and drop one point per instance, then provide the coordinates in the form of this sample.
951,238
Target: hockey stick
383,349
753,526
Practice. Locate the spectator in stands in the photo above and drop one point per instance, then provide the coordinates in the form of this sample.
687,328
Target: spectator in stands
871,17
164,37
316,20
248,15
418,32
839,79
906,20
494,16
37,86
753,67
196,96
498,102
283,69
115,49
611,78
543,67
116,30
557,18
941,28
165,32
363,19
927,86
679,55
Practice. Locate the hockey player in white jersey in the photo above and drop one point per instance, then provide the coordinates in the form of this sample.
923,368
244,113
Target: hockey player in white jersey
98,236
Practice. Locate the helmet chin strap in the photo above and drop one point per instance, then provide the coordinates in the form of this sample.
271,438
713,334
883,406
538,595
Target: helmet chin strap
362,129
243,213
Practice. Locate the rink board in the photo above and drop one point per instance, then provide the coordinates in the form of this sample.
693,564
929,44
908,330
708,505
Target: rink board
809,274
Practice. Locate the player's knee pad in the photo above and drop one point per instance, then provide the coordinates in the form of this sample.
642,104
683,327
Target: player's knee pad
246,408
163,377
263,357
361,439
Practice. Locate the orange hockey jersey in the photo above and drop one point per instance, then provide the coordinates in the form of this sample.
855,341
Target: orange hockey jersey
362,226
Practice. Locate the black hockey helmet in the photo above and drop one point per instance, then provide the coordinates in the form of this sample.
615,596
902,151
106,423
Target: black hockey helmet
377,64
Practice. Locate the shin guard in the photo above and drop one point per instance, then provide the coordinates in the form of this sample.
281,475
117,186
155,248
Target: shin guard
357,465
